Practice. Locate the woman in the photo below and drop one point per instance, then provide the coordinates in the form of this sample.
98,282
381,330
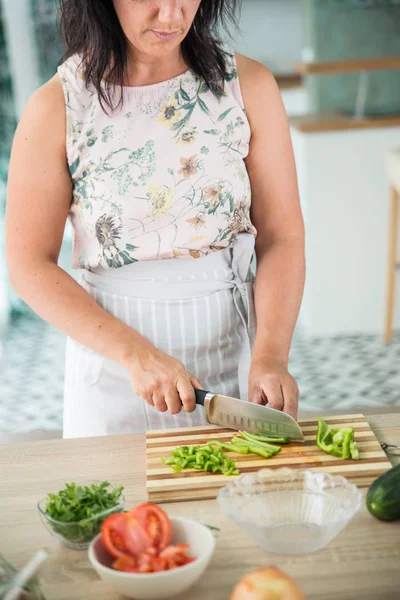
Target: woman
170,154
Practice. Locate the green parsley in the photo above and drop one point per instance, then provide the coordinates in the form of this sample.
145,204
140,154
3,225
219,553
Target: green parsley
75,509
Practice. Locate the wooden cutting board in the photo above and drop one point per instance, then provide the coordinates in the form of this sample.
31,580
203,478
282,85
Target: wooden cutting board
163,485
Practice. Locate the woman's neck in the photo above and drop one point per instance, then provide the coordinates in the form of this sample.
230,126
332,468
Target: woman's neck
145,69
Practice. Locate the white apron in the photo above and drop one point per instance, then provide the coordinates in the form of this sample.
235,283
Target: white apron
200,311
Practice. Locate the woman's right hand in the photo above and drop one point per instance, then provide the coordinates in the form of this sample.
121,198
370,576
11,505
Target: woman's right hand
161,380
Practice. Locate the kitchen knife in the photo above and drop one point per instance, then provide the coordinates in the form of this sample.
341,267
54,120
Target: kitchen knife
232,413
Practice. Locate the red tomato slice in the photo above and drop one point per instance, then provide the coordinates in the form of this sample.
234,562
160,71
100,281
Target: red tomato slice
174,551
121,535
155,522
159,564
176,556
113,534
140,541
146,563
126,564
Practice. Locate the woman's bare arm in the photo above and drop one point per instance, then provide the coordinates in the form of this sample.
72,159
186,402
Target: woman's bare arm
38,200
276,214
39,197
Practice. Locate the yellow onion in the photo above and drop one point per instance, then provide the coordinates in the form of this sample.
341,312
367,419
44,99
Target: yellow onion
267,584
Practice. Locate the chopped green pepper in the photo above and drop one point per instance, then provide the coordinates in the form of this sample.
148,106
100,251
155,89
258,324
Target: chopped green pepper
248,437
230,447
176,468
339,434
208,458
265,438
354,452
337,442
347,440
325,441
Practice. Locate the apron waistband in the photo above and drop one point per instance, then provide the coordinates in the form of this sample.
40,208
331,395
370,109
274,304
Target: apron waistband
166,279
178,279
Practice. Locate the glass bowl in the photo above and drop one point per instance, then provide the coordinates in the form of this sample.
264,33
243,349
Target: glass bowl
290,511
79,534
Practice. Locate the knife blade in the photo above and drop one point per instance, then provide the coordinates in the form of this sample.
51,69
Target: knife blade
233,413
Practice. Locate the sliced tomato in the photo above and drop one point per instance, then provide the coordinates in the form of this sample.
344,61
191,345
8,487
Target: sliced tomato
172,551
126,564
146,563
176,556
155,522
160,564
140,541
121,535
113,534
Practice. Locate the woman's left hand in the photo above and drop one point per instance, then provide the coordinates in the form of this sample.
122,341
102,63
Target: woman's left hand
270,381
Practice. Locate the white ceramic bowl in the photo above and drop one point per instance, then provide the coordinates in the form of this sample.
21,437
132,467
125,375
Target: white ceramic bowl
167,584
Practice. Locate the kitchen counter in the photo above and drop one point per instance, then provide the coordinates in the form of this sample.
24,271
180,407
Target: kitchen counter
361,562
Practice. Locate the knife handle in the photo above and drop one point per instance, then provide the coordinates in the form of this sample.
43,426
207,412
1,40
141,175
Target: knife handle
200,396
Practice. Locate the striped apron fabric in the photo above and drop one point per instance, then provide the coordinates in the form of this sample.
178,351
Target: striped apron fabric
199,311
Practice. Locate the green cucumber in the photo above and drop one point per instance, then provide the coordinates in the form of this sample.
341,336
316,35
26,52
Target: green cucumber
383,496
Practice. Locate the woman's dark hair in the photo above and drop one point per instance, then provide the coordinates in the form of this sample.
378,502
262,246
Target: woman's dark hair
91,29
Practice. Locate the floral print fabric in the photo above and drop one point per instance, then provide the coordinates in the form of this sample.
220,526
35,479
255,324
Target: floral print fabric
163,177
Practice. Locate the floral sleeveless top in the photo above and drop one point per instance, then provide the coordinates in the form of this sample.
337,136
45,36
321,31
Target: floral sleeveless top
163,177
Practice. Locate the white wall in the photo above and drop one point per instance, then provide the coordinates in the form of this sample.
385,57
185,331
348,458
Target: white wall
296,101
272,32
345,198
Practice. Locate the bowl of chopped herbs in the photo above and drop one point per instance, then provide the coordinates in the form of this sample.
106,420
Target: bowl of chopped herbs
75,514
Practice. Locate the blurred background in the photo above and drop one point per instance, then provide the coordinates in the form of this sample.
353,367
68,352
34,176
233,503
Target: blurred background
337,63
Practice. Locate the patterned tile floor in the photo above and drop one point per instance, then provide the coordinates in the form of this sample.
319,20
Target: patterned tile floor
340,373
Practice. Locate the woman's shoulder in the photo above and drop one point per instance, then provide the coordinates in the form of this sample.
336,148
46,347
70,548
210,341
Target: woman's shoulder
47,102
258,86
253,73
49,99
42,123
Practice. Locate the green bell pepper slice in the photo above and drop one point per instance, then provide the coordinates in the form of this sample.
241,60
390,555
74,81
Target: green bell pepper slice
347,440
337,442
354,452
325,441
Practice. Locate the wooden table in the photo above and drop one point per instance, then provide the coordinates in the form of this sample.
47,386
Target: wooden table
363,562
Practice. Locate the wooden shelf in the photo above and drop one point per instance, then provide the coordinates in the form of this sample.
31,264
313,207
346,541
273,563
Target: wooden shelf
385,63
289,81
333,122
